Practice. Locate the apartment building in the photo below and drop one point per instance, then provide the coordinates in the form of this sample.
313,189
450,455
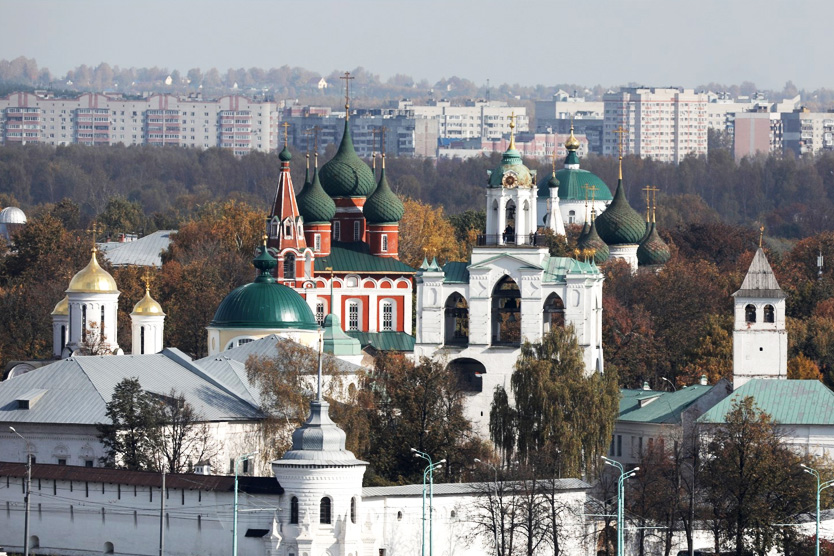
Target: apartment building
807,133
537,145
475,118
233,122
664,124
756,132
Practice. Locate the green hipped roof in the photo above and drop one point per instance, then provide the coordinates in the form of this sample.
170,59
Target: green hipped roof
789,402
572,183
456,272
511,161
336,341
620,224
264,303
556,269
356,257
662,407
383,207
314,204
653,250
592,241
384,341
345,175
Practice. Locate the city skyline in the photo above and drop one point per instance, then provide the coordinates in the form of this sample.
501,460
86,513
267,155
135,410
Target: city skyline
735,41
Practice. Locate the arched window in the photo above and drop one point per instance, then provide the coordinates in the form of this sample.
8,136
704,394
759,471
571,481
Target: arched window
357,230
554,312
353,510
384,242
506,313
353,319
108,547
324,511
456,320
337,231
571,216
294,510
101,330
288,228
317,243
289,266
84,323
63,337
769,315
750,313
142,340
300,230
387,318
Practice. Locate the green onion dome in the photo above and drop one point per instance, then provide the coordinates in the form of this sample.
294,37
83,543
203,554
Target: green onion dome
653,250
511,172
264,303
284,155
345,175
593,241
586,229
383,207
305,189
314,204
620,224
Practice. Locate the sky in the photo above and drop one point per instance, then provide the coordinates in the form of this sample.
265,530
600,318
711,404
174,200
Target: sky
590,42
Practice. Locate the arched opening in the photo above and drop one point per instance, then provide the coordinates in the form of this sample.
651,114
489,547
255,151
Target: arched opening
324,511
750,313
769,314
554,312
353,510
469,373
524,221
506,313
63,337
108,548
288,227
456,320
141,340
571,217
34,542
509,222
289,266
294,510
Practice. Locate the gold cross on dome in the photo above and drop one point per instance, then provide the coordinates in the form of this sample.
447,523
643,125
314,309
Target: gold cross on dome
347,79
285,125
593,189
94,230
620,131
147,279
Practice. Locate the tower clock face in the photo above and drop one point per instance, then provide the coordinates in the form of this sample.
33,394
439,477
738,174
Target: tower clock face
509,179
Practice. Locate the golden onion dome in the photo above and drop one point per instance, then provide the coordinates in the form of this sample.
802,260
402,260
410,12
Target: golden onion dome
62,308
572,143
148,307
92,279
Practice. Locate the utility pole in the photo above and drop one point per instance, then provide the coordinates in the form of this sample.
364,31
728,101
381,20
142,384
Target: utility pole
162,517
28,492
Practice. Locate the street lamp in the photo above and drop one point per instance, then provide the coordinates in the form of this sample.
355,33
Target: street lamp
495,525
620,499
28,491
670,383
820,488
244,457
429,470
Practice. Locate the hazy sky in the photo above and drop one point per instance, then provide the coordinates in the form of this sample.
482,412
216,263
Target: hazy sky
608,42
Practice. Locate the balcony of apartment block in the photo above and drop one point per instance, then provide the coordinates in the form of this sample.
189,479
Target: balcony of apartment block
512,240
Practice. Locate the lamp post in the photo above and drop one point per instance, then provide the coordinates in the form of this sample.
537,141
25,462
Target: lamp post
495,525
234,526
429,470
820,487
620,499
29,491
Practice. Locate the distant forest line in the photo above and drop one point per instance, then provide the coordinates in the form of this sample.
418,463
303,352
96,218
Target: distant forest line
369,89
793,198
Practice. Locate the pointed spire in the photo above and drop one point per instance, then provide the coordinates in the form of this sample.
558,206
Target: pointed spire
760,280
512,132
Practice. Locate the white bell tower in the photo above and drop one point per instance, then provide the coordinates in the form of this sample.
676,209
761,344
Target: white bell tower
147,322
93,301
760,339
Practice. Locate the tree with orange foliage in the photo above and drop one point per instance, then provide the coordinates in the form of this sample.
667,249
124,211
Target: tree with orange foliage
802,368
425,231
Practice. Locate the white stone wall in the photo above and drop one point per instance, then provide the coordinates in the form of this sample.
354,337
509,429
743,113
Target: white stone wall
760,349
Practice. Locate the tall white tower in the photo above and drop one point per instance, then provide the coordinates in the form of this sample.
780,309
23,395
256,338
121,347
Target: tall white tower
93,300
760,340
147,323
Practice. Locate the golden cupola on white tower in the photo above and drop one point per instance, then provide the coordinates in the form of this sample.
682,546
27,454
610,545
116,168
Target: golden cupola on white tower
147,322
93,301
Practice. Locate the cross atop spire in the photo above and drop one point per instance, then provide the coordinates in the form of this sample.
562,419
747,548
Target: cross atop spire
620,131
512,130
286,126
347,79
94,230
147,279
761,236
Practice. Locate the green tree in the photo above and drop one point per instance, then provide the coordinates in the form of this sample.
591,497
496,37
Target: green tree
563,416
121,215
130,437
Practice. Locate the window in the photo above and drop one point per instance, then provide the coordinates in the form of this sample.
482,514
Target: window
300,230
289,266
353,315
288,229
273,228
384,242
324,511
294,510
84,322
353,510
337,231
387,316
320,312
620,445
62,461
769,314
317,243
142,340
101,329
750,313
571,217
357,228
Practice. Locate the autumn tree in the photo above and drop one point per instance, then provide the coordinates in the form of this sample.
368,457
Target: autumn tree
425,231
802,368
184,438
131,435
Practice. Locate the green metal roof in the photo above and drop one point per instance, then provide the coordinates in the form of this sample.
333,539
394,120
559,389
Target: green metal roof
511,162
356,257
285,155
662,407
653,250
591,240
384,341
556,269
264,305
620,224
789,402
314,204
572,183
457,272
336,341
346,175
383,207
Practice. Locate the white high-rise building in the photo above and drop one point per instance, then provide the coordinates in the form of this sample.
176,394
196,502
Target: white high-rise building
663,124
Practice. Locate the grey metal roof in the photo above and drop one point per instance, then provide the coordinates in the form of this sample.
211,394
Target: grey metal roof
760,280
441,489
78,388
145,251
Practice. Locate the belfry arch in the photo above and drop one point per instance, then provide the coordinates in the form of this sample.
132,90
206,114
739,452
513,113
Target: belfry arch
553,313
456,320
506,313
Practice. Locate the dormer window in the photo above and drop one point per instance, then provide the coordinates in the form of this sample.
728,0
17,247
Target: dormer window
288,227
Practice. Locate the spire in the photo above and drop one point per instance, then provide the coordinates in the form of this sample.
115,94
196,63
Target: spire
512,131
760,280
347,79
